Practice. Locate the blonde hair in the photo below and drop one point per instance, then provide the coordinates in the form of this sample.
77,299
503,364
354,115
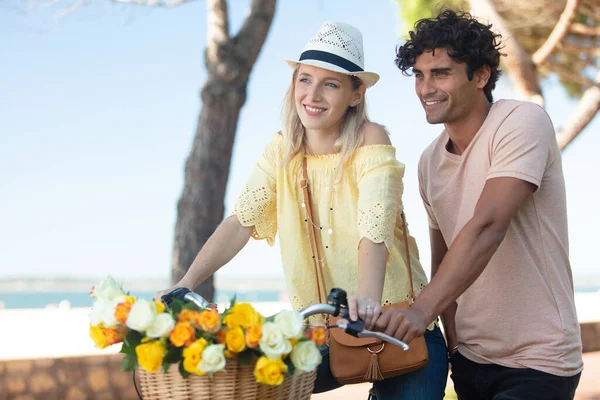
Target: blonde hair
351,136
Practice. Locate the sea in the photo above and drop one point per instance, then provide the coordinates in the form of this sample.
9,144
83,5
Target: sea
41,299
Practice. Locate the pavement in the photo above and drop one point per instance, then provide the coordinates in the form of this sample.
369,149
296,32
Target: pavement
588,389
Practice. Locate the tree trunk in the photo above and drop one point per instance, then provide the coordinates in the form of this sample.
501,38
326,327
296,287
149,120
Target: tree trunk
229,62
517,63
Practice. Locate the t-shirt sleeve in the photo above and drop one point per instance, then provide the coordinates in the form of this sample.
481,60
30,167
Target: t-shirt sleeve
379,195
433,224
524,145
257,204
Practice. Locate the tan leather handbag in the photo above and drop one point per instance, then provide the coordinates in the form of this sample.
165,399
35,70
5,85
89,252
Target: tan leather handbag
355,360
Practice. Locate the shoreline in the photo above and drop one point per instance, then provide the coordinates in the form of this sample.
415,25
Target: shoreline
66,330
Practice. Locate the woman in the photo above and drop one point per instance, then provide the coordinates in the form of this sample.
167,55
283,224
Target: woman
356,188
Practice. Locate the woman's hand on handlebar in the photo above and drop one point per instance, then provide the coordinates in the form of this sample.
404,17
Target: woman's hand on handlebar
365,308
158,295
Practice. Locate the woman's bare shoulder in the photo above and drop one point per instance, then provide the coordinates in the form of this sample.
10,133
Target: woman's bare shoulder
375,134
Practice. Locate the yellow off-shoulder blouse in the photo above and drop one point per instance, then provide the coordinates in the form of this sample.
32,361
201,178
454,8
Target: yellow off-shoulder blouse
365,203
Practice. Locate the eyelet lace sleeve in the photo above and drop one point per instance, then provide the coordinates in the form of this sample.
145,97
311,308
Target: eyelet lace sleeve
257,204
380,200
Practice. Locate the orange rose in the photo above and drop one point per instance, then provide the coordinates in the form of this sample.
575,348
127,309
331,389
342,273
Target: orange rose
113,335
183,334
318,335
189,316
253,335
210,321
222,336
122,312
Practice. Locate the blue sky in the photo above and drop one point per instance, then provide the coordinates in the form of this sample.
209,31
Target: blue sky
98,112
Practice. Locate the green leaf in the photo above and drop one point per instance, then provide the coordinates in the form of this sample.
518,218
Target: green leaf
177,306
291,368
245,358
233,301
182,371
191,306
127,350
129,362
165,367
174,355
133,339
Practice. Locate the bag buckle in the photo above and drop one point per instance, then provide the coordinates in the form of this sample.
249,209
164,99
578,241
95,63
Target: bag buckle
378,351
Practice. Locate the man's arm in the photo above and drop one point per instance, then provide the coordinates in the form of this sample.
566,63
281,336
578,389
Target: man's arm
438,252
466,259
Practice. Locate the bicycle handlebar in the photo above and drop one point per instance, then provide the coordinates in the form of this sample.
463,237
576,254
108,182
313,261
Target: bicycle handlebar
337,306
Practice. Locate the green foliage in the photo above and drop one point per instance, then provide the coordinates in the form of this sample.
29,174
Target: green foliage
413,10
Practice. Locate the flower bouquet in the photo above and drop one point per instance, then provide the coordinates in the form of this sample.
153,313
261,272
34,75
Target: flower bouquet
188,352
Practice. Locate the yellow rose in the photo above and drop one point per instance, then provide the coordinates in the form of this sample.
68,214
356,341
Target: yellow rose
253,335
242,314
270,371
210,321
97,335
160,307
235,340
183,334
150,355
192,355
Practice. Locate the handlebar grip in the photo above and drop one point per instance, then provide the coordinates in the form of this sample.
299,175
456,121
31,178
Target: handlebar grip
184,294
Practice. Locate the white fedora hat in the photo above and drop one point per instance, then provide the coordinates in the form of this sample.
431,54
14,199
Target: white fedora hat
337,47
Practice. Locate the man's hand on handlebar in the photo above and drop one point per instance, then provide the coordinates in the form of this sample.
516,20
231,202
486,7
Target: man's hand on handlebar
402,323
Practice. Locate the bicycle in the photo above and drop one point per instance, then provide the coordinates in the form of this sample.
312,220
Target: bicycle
298,386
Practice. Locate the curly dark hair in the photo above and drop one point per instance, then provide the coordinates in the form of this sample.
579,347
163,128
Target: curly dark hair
466,39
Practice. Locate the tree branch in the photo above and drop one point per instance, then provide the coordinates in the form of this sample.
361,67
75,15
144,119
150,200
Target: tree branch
588,107
568,74
558,33
218,22
584,29
252,34
154,3
578,50
518,64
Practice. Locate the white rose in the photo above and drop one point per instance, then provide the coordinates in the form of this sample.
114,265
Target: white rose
103,312
290,323
141,316
305,356
107,289
272,342
213,359
163,324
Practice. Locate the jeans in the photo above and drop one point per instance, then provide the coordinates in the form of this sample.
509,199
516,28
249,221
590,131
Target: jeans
428,383
473,381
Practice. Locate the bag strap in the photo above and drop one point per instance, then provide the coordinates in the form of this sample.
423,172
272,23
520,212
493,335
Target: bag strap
411,293
312,238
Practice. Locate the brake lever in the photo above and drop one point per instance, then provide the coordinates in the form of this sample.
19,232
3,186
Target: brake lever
357,329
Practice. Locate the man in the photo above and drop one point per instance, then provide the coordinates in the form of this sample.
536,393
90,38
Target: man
493,187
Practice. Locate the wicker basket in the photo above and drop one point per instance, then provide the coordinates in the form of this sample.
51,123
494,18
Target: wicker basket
236,383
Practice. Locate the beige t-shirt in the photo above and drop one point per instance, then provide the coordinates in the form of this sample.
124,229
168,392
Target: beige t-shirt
520,312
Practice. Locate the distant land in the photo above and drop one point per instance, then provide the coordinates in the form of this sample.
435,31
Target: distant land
224,283
62,284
